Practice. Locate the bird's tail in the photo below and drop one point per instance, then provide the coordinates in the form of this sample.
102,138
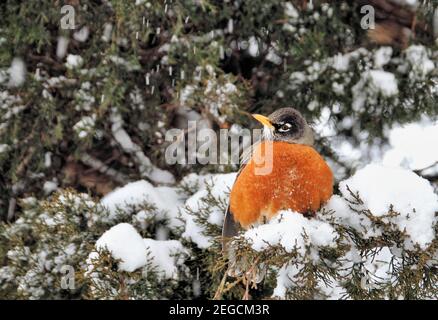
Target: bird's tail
238,265
229,230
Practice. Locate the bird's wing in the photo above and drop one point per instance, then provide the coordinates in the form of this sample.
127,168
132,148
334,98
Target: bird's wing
230,227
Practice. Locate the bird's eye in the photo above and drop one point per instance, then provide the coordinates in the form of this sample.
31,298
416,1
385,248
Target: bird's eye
285,127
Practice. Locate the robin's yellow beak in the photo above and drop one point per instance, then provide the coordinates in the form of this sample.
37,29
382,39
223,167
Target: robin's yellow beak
263,120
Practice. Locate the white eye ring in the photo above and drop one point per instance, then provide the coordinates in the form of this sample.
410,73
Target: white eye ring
285,127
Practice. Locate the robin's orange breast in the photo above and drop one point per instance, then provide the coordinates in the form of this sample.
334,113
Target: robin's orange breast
300,180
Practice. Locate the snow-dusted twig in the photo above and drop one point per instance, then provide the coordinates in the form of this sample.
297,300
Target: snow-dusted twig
146,167
98,165
11,208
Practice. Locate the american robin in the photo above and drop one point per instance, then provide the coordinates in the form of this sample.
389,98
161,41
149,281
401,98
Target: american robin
300,179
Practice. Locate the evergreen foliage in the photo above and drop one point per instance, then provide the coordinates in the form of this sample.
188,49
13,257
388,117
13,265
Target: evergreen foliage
92,113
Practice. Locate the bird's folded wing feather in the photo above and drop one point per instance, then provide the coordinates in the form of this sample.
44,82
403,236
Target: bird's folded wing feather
231,227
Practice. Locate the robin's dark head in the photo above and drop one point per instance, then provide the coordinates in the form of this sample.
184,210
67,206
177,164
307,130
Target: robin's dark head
286,124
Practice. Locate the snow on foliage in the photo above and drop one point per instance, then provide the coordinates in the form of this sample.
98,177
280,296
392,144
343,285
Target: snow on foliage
146,167
111,97
398,196
17,72
374,203
74,61
219,93
216,186
292,231
133,252
418,57
166,256
371,84
413,146
382,56
124,243
383,189
134,194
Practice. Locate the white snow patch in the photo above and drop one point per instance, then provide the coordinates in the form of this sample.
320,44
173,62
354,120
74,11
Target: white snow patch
61,47
74,61
166,199
291,11
166,256
253,48
341,62
85,126
4,148
50,186
372,83
413,146
107,30
285,280
221,184
17,72
287,229
384,81
382,56
418,58
273,56
124,242
380,187
82,35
